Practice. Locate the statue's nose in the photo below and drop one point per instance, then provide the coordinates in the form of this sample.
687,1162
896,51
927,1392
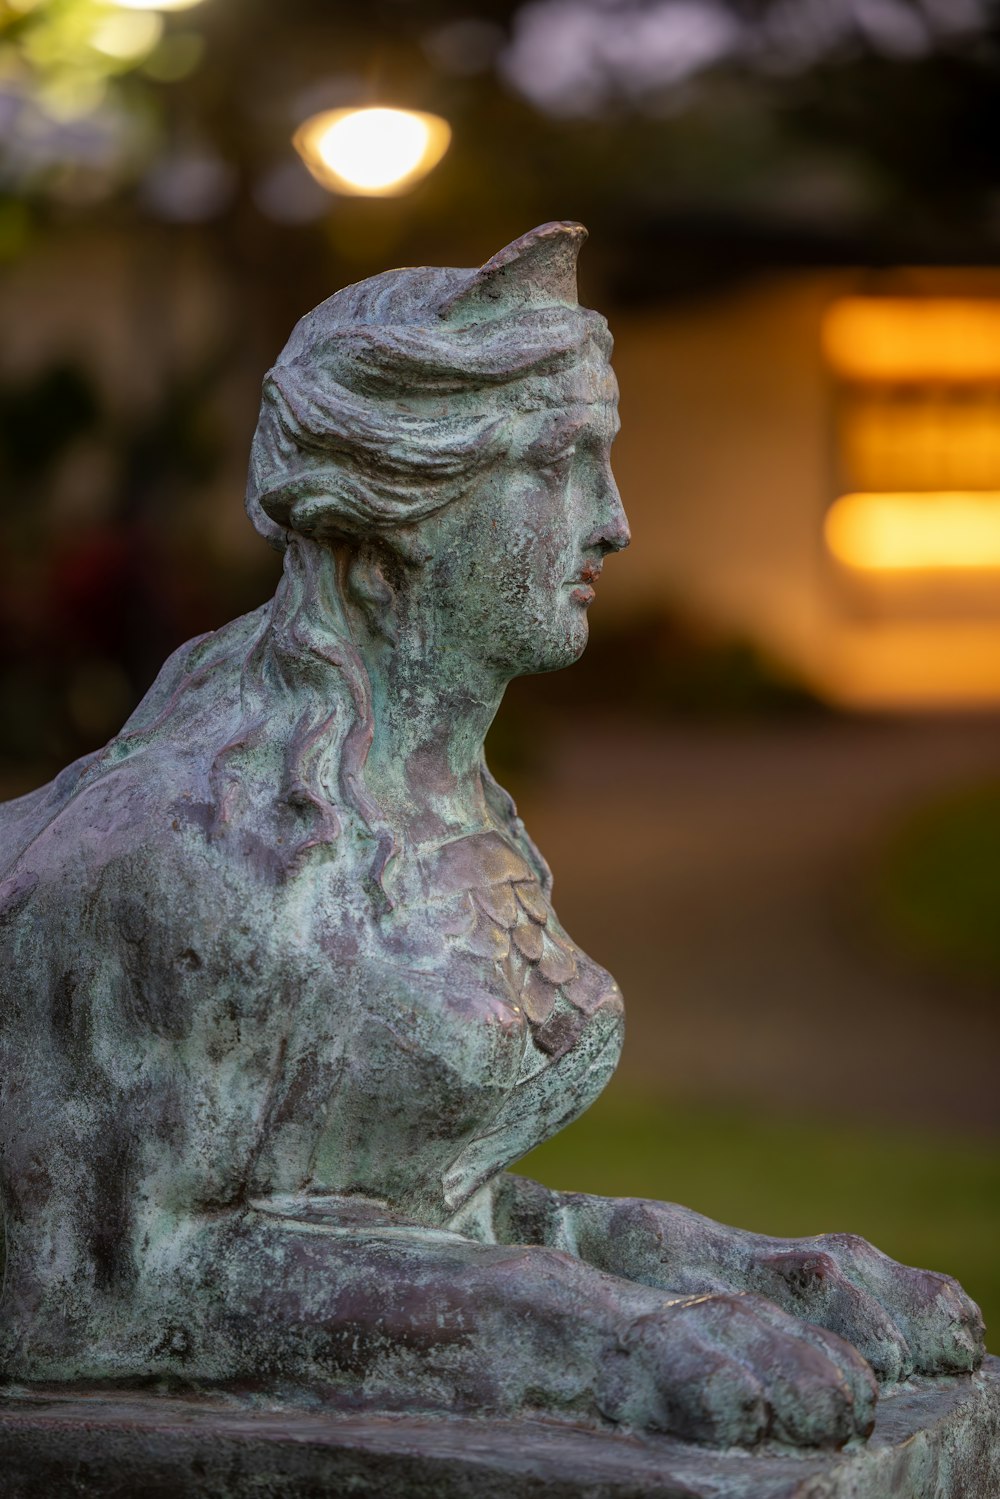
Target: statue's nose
614,535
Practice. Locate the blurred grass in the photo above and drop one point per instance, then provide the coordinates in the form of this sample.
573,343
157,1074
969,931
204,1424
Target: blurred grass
935,889
927,1199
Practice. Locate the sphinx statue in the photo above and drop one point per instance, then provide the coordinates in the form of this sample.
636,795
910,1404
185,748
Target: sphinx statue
283,994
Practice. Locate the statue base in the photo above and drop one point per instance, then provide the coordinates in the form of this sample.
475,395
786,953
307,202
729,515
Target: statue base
934,1439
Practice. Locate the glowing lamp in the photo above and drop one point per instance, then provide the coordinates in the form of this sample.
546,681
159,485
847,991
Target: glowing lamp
373,153
922,531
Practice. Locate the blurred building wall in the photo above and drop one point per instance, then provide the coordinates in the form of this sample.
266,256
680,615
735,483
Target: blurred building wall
726,462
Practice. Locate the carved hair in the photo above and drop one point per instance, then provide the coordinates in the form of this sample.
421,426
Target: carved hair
373,416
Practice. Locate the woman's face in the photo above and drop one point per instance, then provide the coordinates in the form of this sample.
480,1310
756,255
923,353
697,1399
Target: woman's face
514,564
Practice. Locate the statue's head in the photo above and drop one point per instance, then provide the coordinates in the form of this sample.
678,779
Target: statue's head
448,431
433,457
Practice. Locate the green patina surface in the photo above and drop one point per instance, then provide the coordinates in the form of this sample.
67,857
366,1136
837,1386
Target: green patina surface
282,990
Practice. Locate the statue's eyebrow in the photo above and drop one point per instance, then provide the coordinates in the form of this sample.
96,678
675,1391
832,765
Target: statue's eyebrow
558,432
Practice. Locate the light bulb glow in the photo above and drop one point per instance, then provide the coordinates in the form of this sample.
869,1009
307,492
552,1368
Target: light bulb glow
374,152
945,531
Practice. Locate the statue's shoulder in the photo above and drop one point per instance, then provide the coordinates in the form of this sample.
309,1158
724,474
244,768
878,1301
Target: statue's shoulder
128,882
138,815
93,860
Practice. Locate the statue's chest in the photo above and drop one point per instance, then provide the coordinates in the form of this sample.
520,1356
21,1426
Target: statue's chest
482,1022
491,911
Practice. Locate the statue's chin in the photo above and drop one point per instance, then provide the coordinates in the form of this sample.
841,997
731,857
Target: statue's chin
559,653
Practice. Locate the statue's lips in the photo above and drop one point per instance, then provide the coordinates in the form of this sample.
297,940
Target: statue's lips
582,585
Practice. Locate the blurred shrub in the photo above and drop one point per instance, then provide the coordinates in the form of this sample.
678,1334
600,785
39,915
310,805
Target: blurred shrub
108,560
665,661
40,418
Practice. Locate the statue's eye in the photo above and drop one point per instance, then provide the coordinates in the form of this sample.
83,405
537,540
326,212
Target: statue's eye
558,463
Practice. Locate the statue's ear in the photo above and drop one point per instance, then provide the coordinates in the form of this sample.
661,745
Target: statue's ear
537,270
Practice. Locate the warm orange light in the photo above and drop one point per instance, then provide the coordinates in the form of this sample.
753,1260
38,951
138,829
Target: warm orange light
943,438
373,153
911,532
913,339
913,664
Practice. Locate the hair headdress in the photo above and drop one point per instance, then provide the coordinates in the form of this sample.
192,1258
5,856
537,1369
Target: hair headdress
537,270
374,414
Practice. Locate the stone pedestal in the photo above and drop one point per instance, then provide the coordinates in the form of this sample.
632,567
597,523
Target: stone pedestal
935,1439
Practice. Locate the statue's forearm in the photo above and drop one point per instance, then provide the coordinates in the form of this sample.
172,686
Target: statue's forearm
656,1243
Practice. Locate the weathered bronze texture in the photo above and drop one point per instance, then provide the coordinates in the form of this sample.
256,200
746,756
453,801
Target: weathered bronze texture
282,991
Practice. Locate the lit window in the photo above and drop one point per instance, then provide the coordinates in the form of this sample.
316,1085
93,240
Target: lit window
918,435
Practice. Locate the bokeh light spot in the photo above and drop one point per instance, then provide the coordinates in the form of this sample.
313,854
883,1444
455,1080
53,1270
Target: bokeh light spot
128,35
372,152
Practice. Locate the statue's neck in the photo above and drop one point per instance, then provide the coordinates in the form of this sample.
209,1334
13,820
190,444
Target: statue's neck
430,720
430,706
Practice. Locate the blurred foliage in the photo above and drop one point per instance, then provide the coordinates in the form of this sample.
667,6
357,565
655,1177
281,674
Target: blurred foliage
95,592
935,893
670,663
72,124
41,418
790,1176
